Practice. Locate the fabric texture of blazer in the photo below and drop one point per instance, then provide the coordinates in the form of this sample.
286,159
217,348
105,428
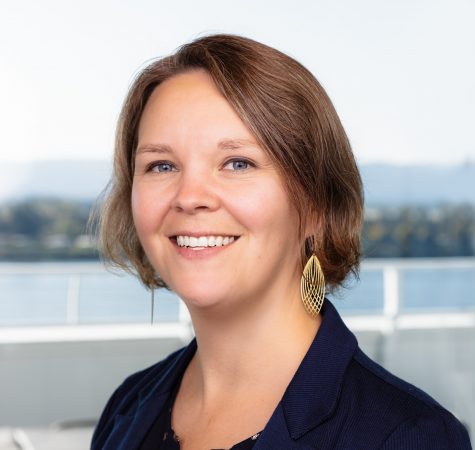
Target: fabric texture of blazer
337,399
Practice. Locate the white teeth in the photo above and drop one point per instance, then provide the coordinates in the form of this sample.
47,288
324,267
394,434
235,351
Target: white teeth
203,241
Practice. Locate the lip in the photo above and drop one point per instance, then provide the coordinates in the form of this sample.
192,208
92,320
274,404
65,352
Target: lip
200,252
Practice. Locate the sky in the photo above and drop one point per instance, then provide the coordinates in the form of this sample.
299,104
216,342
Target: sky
401,74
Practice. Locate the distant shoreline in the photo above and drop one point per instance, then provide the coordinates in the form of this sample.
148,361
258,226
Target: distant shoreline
384,184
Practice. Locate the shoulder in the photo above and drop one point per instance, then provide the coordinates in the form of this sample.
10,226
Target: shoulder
124,399
400,414
433,430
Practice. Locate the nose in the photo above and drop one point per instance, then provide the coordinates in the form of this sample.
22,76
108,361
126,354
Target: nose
195,192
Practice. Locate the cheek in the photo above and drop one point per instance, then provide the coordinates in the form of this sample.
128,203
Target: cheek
267,210
146,210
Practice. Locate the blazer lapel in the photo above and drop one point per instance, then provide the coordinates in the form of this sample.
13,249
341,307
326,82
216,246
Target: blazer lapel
129,430
313,393
134,428
276,434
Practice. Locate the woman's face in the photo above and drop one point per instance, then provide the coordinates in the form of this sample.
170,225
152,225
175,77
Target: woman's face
210,208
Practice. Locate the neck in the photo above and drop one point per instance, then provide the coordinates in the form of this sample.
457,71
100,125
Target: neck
246,348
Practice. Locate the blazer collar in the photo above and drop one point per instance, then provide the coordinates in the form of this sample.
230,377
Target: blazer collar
130,429
313,393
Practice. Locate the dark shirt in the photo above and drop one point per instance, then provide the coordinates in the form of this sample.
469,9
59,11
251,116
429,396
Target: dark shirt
337,399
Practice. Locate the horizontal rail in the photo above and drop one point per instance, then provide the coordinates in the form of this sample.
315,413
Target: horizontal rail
391,317
86,333
184,332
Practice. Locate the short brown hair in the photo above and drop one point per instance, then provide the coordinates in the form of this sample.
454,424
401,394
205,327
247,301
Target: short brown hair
292,118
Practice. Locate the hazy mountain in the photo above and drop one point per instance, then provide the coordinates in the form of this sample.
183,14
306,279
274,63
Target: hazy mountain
384,184
79,180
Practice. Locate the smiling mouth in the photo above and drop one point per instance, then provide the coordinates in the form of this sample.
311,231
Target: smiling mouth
203,241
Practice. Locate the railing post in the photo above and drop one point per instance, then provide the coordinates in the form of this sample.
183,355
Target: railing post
72,300
392,294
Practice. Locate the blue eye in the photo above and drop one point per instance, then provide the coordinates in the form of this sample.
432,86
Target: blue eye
162,167
238,164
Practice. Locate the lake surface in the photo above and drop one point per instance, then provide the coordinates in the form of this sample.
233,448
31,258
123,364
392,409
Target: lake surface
39,297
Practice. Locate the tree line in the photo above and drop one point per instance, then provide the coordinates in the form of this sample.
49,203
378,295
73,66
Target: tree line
52,229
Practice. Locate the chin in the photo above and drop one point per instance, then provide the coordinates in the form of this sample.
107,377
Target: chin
203,296
200,299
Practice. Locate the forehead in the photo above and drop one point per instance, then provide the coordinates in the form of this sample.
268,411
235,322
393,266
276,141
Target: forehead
179,87
189,104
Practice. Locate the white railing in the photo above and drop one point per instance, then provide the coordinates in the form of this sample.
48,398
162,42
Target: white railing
392,315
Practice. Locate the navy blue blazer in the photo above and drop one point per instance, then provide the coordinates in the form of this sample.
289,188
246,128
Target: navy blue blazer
337,399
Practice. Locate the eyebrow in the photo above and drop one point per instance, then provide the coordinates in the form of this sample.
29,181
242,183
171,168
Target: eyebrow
154,148
224,144
235,144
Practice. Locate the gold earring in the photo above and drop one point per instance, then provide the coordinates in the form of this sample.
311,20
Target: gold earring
312,286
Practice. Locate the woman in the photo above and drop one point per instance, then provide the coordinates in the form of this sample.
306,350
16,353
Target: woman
235,186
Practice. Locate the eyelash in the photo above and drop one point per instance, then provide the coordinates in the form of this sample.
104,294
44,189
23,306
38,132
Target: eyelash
153,167
240,160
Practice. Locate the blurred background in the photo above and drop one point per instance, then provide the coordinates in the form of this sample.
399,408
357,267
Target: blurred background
401,75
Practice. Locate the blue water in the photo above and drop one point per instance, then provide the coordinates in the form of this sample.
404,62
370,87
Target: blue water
40,299
421,290
103,298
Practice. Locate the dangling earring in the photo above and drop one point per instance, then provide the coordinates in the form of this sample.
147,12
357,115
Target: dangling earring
312,286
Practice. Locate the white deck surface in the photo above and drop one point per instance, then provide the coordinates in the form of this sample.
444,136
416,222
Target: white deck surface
45,438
